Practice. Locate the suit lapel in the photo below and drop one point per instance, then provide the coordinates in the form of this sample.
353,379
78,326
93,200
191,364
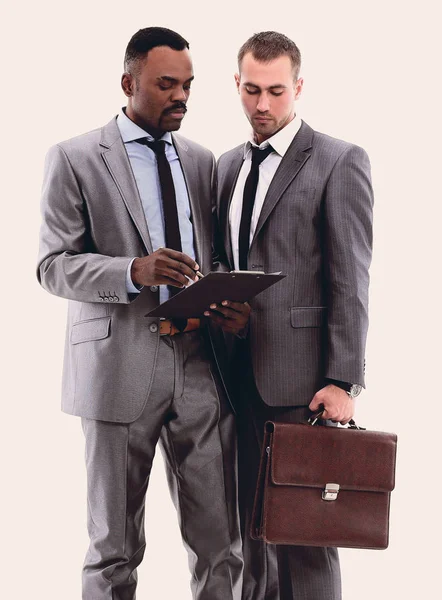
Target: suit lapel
226,195
291,164
115,157
191,178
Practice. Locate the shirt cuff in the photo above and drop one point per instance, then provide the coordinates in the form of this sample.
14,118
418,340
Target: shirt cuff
130,286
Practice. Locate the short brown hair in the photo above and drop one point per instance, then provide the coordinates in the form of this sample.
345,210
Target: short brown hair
269,45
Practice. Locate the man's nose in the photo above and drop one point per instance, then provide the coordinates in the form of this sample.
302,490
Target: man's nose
263,103
179,94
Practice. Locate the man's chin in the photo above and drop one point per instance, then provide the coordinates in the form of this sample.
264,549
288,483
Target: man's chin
264,129
170,123
172,127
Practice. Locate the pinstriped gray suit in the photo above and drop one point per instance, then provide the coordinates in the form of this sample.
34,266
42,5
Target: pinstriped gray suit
132,387
316,227
93,225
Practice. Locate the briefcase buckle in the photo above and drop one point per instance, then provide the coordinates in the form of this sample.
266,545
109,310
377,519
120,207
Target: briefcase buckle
331,491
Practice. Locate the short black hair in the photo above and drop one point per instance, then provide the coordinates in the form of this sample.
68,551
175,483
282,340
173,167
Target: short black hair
269,45
145,39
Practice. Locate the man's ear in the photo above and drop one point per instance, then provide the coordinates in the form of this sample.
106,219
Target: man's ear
237,81
298,87
127,84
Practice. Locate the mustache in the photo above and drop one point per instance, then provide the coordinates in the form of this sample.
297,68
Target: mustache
177,105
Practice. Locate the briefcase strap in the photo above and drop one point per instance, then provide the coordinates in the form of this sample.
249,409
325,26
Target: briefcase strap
317,416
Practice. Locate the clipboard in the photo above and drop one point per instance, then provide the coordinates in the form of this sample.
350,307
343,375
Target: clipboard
238,286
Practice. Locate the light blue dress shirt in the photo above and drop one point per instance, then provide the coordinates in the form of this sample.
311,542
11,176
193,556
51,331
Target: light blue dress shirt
144,166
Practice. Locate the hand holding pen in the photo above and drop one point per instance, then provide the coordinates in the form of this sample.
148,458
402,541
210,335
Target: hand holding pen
165,267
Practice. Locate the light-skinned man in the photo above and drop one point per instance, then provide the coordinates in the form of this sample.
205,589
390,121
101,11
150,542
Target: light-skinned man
127,221
297,201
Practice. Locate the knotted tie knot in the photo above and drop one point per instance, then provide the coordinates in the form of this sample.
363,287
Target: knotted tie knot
259,155
158,146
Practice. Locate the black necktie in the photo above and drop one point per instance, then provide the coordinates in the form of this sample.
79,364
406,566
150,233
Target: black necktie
248,202
171,224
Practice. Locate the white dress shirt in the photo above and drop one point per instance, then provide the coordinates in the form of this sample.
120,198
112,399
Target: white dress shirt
280,142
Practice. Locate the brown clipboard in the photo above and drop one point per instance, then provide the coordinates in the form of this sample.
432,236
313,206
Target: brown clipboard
238,286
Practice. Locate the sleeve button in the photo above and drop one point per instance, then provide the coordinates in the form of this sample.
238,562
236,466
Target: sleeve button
153,327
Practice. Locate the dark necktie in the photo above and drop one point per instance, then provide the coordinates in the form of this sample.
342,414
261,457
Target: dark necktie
171,224
248,202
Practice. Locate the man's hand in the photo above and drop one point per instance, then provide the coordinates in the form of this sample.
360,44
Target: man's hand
231,316
164,267
337,404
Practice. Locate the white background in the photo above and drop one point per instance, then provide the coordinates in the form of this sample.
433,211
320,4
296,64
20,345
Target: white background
371,77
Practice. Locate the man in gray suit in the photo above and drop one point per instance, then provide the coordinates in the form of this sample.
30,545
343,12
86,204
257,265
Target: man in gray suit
297,201
127,221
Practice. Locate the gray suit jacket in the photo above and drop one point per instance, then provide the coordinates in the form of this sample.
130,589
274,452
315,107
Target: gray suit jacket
315,227
93,225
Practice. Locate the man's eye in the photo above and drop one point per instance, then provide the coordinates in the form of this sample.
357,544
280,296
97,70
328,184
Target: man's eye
276,93
251,91
187,87
165,87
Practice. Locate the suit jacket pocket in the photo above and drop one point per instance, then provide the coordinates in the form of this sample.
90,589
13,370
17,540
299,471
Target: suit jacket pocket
91,329
307,316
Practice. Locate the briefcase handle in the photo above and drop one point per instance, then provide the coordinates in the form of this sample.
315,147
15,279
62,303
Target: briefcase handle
315,418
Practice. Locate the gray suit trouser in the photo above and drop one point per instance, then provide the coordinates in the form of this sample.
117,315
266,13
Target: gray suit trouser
187,412
275,572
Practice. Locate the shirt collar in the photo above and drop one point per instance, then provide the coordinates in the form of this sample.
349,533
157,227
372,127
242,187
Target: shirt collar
130,131
280,141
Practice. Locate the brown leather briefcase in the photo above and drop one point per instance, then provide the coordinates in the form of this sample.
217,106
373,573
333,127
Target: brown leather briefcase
324,486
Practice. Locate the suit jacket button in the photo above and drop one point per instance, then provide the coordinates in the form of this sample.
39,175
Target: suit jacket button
153,327
116,298
154,288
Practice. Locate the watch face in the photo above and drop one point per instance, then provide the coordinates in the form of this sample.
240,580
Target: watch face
355,390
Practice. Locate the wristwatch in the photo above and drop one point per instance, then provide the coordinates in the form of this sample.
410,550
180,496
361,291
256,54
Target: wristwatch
352,389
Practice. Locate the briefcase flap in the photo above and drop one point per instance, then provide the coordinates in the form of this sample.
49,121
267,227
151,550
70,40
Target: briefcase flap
312,456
